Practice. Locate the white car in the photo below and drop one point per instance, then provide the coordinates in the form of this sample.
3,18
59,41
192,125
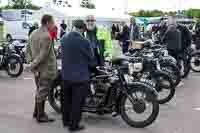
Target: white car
17,30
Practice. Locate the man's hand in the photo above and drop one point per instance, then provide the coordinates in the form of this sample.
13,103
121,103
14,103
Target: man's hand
28,67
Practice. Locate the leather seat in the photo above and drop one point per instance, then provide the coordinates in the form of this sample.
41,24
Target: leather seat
133,51
120,60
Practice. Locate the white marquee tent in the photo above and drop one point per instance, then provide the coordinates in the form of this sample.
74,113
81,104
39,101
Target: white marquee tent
68,14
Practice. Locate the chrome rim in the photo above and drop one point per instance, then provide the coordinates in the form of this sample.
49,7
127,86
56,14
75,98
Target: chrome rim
138,114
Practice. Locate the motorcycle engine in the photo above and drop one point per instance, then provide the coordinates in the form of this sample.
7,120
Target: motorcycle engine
98,92
135,67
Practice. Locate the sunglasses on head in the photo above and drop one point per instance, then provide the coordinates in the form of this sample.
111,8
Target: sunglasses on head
90,20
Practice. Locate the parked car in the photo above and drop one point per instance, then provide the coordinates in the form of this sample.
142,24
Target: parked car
16,30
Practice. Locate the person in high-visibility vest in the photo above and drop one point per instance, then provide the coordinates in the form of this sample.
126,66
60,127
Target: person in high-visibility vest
100,39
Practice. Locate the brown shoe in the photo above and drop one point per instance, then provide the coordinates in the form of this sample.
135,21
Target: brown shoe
42,117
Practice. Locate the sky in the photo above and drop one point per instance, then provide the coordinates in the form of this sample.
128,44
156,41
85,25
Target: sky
136,5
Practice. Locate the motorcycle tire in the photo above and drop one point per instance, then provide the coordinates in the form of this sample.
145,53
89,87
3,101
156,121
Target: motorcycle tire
195,63
173,70
146,122
51,96
18,60
187,69
171,86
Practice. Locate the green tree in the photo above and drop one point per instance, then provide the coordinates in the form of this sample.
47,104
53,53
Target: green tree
21,4
87,4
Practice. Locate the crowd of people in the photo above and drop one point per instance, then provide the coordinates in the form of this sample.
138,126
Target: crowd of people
84,48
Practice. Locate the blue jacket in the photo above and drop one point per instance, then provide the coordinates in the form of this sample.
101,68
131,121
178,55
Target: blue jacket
77,57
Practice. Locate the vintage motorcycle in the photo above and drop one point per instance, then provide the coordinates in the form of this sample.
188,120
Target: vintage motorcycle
10,61
144,65
112,93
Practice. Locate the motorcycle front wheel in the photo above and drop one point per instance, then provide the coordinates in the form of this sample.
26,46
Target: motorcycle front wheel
136,114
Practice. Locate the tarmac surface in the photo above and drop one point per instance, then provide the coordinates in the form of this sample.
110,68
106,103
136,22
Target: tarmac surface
180,115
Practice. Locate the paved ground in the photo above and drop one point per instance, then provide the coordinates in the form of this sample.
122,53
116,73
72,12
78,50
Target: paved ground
181,115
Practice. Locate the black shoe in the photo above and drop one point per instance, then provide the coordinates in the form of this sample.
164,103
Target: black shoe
66,124
76,128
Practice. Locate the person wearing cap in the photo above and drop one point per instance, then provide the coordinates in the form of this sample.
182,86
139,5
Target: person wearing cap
76,59
100,40
134,29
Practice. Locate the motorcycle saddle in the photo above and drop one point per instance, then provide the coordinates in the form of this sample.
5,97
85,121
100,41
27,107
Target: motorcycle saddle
133,51
120,60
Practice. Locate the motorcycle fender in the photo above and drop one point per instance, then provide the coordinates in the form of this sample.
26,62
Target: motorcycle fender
157,72
138,85
168,60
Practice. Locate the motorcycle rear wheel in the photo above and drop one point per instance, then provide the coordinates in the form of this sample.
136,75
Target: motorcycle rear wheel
11,65
173,71
55,96
171,87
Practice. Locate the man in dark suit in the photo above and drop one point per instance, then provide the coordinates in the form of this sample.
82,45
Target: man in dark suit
77,56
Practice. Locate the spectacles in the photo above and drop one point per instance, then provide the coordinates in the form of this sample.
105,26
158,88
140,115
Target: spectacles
92,20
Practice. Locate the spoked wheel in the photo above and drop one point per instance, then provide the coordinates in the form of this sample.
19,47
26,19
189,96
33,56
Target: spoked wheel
195,62
173,72
165,88
55,95
142,112
14,66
